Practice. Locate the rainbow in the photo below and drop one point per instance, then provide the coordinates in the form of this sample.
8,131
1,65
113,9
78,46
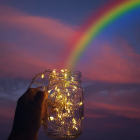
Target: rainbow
103,17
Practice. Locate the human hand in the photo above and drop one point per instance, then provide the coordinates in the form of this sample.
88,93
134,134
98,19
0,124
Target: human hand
28,115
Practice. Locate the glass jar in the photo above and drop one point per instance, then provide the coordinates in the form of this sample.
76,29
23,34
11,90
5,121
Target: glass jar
64,108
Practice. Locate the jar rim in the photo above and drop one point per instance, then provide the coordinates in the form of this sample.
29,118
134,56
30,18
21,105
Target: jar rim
67,70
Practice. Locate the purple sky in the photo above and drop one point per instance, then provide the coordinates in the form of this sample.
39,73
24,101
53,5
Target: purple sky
33,37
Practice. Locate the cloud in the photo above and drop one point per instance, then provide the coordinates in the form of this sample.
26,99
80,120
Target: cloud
104,98
113,109
15,62
31,39
12,88
106,87
7,110
113,127
52,28
119,65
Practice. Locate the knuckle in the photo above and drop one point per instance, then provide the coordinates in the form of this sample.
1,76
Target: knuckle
30,90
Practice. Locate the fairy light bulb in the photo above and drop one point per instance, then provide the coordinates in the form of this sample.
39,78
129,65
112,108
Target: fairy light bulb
51,118
54,71
80,103
74,121
62,70
68,110
56,88
42,76
72,78
65,75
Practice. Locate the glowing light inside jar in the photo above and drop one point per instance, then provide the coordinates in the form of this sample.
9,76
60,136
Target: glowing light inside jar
64,101
80,103
49,91
51,118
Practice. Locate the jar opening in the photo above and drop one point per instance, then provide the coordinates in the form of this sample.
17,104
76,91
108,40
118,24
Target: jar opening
65,75
66,70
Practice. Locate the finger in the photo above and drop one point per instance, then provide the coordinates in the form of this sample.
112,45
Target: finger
39,99
27,97
30,93
44,108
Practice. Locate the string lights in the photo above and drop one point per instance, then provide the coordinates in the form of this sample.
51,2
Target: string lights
65,104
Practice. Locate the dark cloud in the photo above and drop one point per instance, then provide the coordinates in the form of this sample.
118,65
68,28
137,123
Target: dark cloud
13,88
104,88
96,86
116,98
113,127
11,85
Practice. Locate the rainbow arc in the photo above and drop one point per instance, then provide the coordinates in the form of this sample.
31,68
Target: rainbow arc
96,24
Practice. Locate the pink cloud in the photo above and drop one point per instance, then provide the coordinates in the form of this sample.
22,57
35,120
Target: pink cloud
15,62
52,28
94,116
7,110
115,109
41,39
104,126
112,65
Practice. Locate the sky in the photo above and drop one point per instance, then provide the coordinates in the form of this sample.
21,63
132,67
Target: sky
34,36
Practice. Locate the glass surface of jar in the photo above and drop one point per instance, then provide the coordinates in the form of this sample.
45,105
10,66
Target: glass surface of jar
64,108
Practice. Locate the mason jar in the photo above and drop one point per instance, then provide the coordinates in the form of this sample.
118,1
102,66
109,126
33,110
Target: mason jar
64,108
